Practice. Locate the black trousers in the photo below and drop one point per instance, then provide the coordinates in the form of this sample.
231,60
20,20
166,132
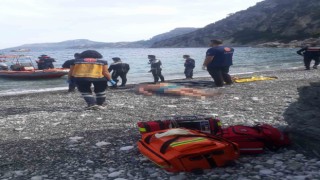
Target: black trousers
220,75
157,74
99,89
188,72
307,61
72,85
123,77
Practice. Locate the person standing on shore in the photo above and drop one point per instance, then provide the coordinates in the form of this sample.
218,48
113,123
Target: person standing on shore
189,65
309,53
156,68
87,70
67,64
119,68
218,61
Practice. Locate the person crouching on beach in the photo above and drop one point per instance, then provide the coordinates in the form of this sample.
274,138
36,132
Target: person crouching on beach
309,53
218,61
156,68
119,68
87,70
189,65
172,89
67,64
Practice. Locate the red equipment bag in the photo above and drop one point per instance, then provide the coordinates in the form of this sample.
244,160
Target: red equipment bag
254,139
151,126
190,152
274,139
206,124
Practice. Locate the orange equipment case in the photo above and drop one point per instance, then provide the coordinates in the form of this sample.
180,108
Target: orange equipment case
190,152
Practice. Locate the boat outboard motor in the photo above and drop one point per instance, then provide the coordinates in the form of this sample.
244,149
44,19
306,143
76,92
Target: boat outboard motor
3,66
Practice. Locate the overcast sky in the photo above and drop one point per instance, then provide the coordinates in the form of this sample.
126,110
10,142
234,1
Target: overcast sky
38,21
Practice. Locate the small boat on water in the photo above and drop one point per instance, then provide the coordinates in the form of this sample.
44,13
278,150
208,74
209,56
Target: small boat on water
20,50
20,69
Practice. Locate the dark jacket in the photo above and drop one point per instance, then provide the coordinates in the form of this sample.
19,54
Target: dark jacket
155,64
222,56
309,52
68,63
119,67
189,63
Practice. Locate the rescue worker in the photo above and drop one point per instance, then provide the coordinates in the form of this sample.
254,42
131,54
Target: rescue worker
189,65
119,68
67,64
218,61
309,53
90,69
4,66
156,68
45,62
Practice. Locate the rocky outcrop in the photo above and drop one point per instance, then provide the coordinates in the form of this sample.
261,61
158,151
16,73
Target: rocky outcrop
291,44
303,118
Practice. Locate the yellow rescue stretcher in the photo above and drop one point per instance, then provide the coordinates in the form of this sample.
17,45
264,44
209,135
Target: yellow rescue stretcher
253,78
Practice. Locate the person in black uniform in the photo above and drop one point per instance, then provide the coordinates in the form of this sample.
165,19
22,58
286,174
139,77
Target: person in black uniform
309,53
119,68
156,68
218,61
45,62
87,70
189,65
67,64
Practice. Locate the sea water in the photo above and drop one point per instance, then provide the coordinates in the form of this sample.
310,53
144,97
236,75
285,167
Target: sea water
245,60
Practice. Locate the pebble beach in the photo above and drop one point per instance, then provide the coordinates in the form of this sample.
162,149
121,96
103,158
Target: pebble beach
47,136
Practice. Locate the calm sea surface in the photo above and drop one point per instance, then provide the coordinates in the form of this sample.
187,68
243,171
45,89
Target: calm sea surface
245,60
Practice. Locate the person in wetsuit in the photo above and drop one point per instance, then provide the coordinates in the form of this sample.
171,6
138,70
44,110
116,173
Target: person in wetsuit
89,69
45,62
67,64
156,68
189,65
218,61
310,53
119,68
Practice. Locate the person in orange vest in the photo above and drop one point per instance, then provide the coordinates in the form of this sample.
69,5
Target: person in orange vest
89,69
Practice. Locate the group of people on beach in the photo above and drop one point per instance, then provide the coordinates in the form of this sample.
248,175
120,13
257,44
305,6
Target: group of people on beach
88,68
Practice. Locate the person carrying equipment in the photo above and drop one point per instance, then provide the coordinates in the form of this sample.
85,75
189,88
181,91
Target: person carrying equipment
309,53
87,70
119,68
189,65
45,62
218,61
156,68
67,64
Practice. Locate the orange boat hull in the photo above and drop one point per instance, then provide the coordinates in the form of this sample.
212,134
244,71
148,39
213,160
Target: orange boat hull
35,74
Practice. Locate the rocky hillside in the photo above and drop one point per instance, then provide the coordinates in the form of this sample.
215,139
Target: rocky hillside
85,43
269,20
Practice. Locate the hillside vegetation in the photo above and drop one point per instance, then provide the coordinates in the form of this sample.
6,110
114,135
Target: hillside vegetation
269,20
